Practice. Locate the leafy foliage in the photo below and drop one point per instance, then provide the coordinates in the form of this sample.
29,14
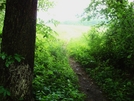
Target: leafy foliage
47,31
54,79
4,91
96,58
112,81
119,36
10,59
1,21
105,9
2,4
45,4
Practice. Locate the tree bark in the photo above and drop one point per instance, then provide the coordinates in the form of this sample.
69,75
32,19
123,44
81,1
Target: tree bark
18,37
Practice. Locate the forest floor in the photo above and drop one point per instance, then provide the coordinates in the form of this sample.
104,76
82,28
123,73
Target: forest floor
87,85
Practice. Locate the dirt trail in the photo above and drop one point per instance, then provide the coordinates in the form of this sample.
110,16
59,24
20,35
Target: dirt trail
87,85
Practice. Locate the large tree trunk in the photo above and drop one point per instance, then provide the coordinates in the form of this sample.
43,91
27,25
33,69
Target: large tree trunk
18,37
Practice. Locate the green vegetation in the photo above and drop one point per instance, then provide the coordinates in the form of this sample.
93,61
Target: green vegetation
93,56
84,23
108,55
106,51
1,21
2,4
54,79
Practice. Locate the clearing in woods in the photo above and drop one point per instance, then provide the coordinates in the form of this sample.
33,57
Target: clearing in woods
87,86
69,32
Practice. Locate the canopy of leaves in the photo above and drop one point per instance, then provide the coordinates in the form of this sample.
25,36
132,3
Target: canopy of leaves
105,8
45,4
119,34
42,4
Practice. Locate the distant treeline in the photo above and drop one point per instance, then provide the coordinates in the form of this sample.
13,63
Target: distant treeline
85,23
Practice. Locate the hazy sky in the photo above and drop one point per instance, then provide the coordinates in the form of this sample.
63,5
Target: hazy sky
65,10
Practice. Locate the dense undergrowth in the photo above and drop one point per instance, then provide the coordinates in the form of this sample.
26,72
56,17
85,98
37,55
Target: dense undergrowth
93,53
107,52
54,79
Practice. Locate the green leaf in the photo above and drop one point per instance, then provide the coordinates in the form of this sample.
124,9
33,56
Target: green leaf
8,93
129,83
18,59
129,56
7,64
50,72
3,57
4,93
1,89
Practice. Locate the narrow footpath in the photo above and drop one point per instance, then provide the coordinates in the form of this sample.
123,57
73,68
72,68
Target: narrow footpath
86,84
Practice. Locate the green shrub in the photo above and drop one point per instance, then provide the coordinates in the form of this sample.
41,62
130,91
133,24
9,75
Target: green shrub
112,80
54,79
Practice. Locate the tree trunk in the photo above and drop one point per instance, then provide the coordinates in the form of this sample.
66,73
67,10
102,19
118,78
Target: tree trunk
18,37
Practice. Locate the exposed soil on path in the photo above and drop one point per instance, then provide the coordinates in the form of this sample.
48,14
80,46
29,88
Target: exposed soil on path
86,84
